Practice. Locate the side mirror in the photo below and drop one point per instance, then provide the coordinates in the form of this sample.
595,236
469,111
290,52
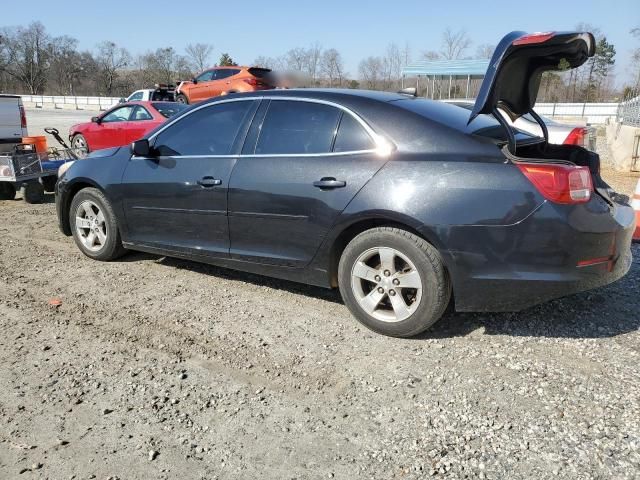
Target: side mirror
95,119
141,148
194,80
122,100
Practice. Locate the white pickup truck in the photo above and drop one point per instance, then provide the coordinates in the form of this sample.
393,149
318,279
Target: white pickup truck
13,122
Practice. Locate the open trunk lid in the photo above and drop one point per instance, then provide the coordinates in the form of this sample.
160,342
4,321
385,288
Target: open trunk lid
513,77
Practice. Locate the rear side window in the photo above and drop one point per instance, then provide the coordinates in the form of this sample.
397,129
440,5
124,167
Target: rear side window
292,127
352,136
208,131
225,72
169,109
140,114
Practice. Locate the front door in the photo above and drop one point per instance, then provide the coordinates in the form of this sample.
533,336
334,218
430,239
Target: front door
109,130
310,159
176,199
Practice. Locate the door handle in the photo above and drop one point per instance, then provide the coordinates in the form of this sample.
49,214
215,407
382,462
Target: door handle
327,183
209,182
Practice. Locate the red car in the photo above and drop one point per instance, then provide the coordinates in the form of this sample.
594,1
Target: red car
121,125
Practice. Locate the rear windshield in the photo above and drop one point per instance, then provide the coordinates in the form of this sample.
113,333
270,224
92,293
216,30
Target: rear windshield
259,72
457,116
169,109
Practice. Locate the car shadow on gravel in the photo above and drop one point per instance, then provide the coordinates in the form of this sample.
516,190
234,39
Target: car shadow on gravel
605,312
235,275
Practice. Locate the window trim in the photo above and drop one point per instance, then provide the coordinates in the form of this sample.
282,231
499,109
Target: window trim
382,145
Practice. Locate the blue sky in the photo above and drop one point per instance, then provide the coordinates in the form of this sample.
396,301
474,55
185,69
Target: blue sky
356,28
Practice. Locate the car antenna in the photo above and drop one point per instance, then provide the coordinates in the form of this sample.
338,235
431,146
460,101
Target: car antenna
411,91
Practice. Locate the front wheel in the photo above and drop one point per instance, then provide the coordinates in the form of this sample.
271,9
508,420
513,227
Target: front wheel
94,227
182,99
393,282
79,143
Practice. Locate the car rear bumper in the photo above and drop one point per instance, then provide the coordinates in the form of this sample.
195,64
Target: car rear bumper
556,251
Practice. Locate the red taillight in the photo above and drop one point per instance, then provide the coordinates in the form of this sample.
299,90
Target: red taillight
577,136
253,82
533,38
23,117
559,183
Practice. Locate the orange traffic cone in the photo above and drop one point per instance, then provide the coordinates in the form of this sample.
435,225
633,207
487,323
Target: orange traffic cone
635,203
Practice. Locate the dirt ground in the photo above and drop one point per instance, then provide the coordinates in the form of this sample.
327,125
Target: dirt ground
159,368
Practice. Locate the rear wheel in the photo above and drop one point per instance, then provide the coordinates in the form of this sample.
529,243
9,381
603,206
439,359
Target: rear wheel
93,225
32,192
7,191
393,281
180,98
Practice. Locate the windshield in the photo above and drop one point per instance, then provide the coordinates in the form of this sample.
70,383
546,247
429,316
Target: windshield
457,116
169,109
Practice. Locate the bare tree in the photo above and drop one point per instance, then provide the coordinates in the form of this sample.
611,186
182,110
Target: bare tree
27,53
332,67
274,63
163,66
111,59
199,55
371,71
392,65
312,62
485,51
68,66
296,58
454,44
431,55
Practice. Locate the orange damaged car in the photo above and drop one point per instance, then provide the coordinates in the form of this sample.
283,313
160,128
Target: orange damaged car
223,80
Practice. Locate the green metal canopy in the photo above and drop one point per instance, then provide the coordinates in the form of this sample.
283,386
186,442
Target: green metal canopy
447,78
445,68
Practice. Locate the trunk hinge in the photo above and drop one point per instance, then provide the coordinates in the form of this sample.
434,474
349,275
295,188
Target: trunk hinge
510,135
543,125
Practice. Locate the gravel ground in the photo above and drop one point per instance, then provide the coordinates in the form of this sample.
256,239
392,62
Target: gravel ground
159,368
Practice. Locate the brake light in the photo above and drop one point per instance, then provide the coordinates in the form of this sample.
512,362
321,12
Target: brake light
577,136
23,117
253,82
559,183
533,38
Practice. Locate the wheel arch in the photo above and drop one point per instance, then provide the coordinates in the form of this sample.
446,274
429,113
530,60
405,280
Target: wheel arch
72,191
347,232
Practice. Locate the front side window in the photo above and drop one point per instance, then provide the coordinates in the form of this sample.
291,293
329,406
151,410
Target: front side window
135,97
352,136
121,114
208,131
205,76
295,127
140,114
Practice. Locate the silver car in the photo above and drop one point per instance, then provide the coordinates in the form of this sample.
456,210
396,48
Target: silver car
559,133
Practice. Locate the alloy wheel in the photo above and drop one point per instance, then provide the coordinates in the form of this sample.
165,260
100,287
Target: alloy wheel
91,226
386,284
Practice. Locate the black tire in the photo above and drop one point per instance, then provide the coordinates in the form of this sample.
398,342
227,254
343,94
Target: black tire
32,192
436,288
49,183
79,143
112,248
7,191
181,98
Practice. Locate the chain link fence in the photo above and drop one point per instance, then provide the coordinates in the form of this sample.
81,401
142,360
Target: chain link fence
629,109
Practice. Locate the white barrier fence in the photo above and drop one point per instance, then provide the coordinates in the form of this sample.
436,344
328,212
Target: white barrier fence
593,113
71,103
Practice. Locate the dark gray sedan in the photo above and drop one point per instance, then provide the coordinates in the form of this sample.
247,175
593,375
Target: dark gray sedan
407,205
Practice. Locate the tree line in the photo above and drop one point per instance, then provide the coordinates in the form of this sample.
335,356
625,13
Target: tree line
35,62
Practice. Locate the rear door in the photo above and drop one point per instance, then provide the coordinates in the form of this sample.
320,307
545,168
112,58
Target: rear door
140,122
176,199
303,162
11,130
